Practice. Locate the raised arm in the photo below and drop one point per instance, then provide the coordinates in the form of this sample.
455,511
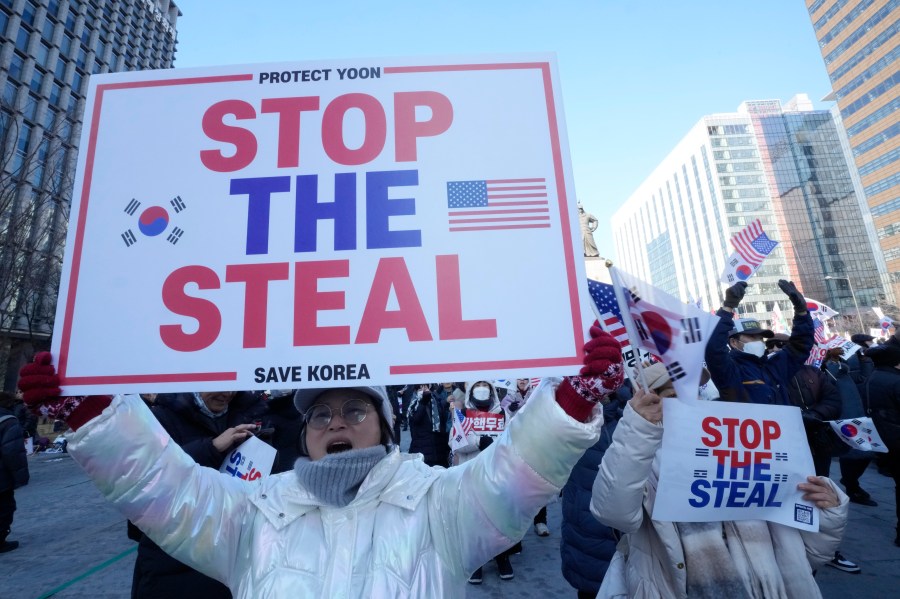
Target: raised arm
193,513
618,496
496,495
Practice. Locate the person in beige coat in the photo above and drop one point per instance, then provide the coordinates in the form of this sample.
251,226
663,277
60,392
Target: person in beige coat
738,559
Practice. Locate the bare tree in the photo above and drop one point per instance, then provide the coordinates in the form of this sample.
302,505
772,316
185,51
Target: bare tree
35,186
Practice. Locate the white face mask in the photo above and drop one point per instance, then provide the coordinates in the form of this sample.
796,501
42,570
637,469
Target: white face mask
481,393
757,348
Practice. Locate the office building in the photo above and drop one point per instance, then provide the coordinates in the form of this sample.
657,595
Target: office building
48,51
781,164
860,46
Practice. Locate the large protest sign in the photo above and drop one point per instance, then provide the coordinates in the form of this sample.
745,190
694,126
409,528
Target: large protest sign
733,461
309,224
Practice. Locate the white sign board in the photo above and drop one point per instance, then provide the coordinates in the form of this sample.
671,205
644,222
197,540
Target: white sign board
310,224
733,461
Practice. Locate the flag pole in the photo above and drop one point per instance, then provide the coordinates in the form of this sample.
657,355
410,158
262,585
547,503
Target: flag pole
629,325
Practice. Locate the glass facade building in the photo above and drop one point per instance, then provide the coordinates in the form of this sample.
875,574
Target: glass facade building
859,44
783,165
48,51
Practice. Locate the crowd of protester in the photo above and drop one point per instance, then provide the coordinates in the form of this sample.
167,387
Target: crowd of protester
340,483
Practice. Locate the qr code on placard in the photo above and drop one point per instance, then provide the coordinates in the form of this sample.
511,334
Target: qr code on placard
803,514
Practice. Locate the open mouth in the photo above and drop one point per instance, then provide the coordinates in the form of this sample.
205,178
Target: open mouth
338,447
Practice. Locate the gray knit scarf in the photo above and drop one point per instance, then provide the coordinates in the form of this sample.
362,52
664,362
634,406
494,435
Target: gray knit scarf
336,478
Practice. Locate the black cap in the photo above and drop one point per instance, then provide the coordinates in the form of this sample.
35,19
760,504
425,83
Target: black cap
861,339
884,355
749,326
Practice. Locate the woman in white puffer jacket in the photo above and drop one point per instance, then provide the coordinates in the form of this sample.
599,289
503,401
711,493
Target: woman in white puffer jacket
664,560
358,518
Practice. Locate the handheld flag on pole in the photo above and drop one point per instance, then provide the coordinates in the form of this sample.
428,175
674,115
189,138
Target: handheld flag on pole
751,245
779,324
662,324
819,310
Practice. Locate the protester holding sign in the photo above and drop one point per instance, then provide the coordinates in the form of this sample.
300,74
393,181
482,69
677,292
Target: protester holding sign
359,519
735,354
736,559
488,420
206,426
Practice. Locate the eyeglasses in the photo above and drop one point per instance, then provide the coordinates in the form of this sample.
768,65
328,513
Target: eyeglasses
353,412
778,344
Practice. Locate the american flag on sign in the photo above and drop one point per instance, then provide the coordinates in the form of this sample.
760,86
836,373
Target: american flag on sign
494,204
752,243
611,318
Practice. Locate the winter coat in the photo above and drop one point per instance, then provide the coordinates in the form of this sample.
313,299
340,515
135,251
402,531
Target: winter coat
474,442
156,573
861,367
194,431
814,392
740,376
649,560
840,373
28,420
432,444
13,460
515,400
283,419
587,546
411,531
881,400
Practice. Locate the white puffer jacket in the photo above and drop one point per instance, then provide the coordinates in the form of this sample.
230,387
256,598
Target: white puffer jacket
649,561
411,531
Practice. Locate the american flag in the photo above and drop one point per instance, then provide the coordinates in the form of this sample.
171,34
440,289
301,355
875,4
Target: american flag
752,243
494,204
819,331
611,318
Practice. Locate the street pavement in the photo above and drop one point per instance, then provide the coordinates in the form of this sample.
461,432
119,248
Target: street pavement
73,544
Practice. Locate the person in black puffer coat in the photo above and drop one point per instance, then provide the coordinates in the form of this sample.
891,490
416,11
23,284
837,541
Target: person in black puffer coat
587,546
819,400
427,426
881,399
13,467
280,428
206,426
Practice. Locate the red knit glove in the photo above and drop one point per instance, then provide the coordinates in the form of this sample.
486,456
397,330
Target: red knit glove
40,390
38,381
601,375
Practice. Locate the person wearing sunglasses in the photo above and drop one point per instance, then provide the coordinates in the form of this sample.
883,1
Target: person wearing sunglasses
357,518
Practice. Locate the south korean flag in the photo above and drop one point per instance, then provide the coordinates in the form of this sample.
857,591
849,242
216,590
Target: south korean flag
674,331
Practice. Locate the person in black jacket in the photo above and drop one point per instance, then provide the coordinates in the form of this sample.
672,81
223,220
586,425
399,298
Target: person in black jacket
280,428
881,399
427,427
587,546
819,400
206,426
13,467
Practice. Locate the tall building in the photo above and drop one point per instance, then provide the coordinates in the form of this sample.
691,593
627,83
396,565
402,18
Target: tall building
783,165
859,44
48,51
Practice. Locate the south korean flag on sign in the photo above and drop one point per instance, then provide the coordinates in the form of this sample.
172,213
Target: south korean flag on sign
675,331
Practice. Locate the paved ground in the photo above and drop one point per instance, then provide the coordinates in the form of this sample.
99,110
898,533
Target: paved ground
74,545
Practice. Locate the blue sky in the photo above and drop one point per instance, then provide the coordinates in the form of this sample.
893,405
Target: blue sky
635,74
